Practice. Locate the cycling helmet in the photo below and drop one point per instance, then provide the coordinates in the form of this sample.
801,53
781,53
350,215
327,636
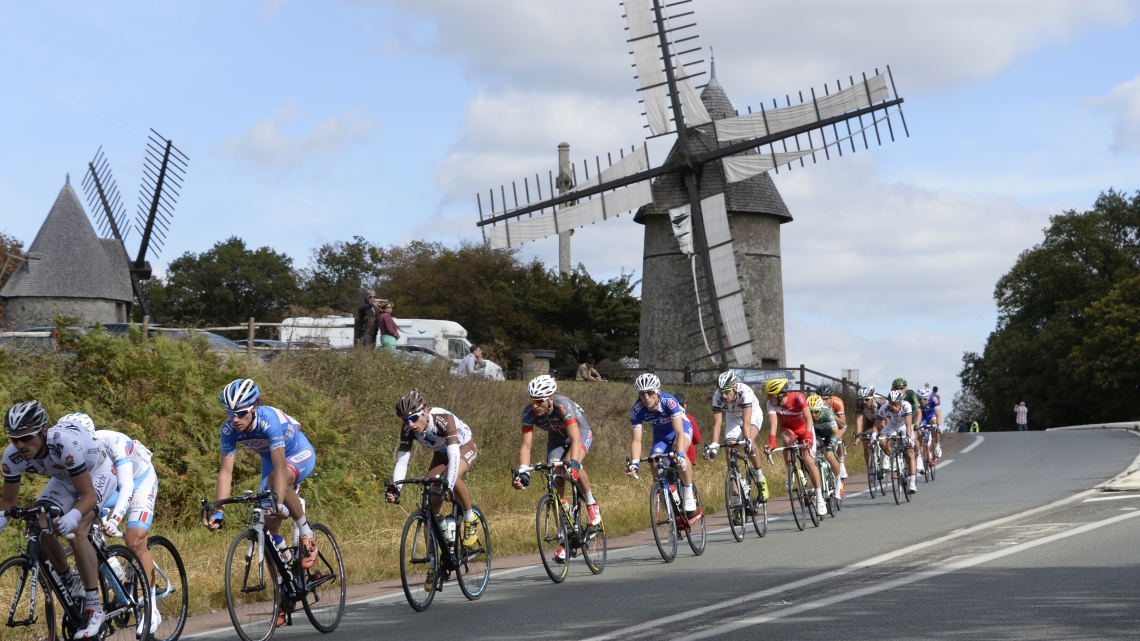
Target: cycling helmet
242,392
776,386
899,382
815,403
81,419
867,392
542,387
827,389
647,382
727,381
895,397
410,403
923,392
25,417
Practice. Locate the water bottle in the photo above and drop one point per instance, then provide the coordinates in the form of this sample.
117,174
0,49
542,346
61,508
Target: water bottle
673,491
449,529
282,549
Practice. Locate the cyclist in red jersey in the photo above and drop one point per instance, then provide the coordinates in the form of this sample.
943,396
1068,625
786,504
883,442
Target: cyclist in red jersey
789,411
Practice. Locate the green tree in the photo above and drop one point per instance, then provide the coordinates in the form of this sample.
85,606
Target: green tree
1044,305
225,285
10,251
593,319
338,274
1109,353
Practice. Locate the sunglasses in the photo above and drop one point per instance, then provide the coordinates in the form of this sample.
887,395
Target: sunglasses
22,439
239,413
413,418
646,394
896,405
538,401
727,390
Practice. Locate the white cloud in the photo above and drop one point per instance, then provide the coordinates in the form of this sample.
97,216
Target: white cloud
1123,101
271,143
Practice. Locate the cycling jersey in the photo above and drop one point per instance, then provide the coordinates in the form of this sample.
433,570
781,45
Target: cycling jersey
895,419
563,413
911,397
661,418
825,422
791,414
125,450
929,411
835,404
435,436
734,411
272,429
141,485
69,452
869,410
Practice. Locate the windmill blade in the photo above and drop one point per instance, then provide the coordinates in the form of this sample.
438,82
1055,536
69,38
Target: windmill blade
103,198
164,167
648,24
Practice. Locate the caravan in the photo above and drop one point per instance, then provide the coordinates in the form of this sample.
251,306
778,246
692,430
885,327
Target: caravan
446,338
336,332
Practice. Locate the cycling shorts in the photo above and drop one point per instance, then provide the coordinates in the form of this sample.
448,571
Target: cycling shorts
827,439
140,513
663,442
802,434
887,431
62,495
558,444
300,464
467,452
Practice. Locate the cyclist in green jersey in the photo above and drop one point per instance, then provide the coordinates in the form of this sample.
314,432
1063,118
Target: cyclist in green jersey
910,396
826,434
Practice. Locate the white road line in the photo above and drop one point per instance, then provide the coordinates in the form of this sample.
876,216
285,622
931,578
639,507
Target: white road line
906,580
883,558
941,464
974,444
1115,497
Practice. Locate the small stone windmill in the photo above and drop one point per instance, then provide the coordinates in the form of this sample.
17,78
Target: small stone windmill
711,198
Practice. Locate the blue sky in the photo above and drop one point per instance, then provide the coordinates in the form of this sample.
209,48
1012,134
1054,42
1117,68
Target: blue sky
307,122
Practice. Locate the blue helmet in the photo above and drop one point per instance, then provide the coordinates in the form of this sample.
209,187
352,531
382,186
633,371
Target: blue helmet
241,393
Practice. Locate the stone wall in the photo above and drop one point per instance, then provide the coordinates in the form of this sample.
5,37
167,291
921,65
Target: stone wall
21,312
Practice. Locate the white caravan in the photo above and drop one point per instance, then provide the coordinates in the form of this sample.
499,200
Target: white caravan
327,331
446,338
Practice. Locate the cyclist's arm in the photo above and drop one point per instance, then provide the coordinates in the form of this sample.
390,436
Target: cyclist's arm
774,421
225,477
125,477
635,443
280,479
909,419
524,448
808,419
88,497
859,423
841,418
746,421
717,418
452,451
10,494
938,414
679,433
575,435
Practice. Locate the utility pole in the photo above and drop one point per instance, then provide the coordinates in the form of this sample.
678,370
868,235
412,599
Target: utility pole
565,183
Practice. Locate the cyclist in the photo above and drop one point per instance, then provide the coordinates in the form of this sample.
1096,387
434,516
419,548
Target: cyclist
287,459
134,497
866,415
735,403
932,416
670,430
568,438
827,393
897,417
910,396
826,435
81,483
453,453
788,411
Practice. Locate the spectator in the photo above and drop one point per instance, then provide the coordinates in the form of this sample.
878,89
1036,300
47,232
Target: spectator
472,365
974,427
586,371
962,427
389,334
1022,414
934,397
367,321
692,453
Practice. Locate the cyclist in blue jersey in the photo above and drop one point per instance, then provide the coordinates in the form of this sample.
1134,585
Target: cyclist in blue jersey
932,417
287,458
671,430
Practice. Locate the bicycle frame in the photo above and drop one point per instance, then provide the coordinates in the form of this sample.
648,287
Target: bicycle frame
451,560
553,472
669,478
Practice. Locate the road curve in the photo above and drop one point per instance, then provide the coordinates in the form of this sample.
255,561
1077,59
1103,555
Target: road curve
1009,542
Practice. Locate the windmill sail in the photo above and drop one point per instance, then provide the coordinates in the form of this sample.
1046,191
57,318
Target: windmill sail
774,121
645,38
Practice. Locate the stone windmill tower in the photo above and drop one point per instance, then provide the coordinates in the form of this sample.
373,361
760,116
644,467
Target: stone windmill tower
674,330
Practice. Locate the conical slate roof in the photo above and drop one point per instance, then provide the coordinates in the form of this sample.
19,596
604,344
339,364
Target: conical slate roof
757,195
68,260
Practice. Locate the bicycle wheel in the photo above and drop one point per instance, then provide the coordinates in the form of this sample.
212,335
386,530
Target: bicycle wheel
170,588
933,467
594,546
904,475
795,495
251,589
475,560
872,473
551,531
895,476
734,504
325,587
924,452
125,593
809,498
758,506
697,525
28,620
661,517
830,491
419,562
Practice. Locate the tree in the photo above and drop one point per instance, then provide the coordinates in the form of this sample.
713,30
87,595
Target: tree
1109,353
593,319
966,408
225,285
1044,305
339,273
11,250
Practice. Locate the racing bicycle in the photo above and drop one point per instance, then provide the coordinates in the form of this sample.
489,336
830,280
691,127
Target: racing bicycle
562,525
801,491
743,496
666,509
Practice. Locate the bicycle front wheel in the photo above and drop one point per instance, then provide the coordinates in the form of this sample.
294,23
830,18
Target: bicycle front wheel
924,452
28,620
325,587
896,477
872,473
594,544
696,525
475,560
170,588
551,531
734,504
795,495
419,562
809,497
251,589
932,468
661,518
758,507
125,594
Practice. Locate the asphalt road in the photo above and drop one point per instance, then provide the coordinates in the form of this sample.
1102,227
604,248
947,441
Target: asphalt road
1003,545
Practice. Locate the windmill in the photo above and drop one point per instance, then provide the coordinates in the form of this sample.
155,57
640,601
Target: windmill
731,148
163,169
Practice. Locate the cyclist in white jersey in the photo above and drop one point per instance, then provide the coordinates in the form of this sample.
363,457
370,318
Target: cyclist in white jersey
81,483
896,416
133,499
743,418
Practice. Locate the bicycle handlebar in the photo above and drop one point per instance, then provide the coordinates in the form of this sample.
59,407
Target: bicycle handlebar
33,513
246,497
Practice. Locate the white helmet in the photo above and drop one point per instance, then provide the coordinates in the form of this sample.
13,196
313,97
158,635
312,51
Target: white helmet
727,381
542,387
81,419
924,392
647,382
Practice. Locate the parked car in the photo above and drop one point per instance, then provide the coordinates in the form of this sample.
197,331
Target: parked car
415,352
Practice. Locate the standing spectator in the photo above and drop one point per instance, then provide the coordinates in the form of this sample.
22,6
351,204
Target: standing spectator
692,453
472,365
1022,414
586,371
367,321
389,334
934,397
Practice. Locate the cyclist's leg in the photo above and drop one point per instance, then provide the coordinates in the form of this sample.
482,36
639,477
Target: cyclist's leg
830,448
289,499
583,482
140,515
467,455
556,450
807,437
910,451
56,493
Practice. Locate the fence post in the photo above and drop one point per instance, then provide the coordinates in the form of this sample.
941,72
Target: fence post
146,327
688,374
249,343
803,373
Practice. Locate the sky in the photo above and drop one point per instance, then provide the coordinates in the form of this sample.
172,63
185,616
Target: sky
310,122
